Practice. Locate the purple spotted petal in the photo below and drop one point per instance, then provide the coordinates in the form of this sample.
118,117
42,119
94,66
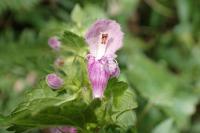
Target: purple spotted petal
112,42
54,43
98,77
54,81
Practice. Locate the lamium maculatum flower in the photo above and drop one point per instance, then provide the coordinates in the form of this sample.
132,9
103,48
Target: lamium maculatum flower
54,81
54,43
104,38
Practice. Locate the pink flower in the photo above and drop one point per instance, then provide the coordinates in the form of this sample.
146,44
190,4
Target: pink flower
54,43
104,39
54,81
65,129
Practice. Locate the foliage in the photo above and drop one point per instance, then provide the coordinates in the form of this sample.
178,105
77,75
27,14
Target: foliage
158,89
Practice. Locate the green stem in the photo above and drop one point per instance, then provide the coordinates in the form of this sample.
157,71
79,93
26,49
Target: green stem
146,109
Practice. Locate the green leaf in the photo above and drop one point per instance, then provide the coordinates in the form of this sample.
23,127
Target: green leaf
77,15
183,10
127,101
153,81
82,19
43,108
165,126
115,88
74,44
162,88
182,107
2,120
122,101
123,107
123,98
126,119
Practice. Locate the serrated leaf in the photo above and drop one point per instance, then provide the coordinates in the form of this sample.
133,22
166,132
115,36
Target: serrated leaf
126,119
122,97
43,108
123,102
41,111
74,44
115,88
126,101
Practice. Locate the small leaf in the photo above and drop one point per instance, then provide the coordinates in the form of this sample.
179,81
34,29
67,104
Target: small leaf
126,119
123,102
127,101
73,43
77,15
115,88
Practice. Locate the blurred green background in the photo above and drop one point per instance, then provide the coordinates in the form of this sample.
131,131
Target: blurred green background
160,59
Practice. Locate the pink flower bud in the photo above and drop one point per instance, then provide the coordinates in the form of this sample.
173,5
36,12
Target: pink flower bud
54,81
54,43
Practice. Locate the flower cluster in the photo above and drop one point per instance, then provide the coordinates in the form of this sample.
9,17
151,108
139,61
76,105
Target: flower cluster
104,39
55,82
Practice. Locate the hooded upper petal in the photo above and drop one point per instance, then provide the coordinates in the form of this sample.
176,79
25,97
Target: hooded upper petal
114,36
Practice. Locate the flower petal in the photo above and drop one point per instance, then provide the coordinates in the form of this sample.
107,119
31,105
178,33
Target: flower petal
115,36
98,77
112,67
